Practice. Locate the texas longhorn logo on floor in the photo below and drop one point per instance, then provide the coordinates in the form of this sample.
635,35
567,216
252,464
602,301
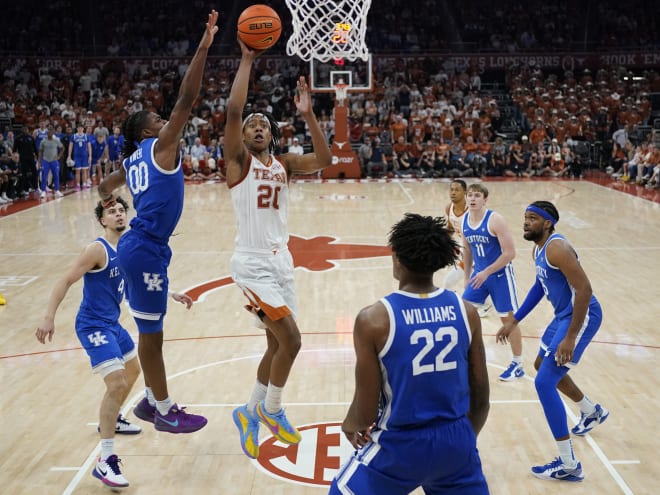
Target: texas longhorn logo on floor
316,254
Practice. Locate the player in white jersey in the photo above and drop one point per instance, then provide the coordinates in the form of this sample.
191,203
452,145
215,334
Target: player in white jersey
455,212
262,266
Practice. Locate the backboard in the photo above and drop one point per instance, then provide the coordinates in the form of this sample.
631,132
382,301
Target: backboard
356,73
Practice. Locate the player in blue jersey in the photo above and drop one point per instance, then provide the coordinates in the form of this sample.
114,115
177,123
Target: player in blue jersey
488,250
115,147
421,392
578,316
40,133
80,152
152,170
110,348
99,155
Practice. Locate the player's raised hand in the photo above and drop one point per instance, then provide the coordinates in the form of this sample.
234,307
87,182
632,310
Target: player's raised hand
303,98
211,29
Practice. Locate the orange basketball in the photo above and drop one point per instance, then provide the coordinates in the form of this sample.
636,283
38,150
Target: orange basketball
259,27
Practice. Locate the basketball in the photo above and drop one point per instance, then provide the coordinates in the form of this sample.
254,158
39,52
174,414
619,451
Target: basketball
259,27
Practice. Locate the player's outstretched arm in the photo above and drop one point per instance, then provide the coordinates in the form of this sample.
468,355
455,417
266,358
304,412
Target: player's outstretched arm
322,156
92,256
477,373
168,137
111,182
370,324
235,152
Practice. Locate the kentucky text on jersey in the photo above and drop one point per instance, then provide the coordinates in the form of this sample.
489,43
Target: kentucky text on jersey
483,239
428,315
541,272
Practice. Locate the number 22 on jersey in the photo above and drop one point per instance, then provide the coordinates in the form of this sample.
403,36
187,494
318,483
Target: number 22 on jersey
429,339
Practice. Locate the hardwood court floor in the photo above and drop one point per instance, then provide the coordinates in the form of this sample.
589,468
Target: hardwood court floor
48,439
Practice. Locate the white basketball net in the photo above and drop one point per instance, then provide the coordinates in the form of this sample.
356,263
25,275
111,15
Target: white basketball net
328,29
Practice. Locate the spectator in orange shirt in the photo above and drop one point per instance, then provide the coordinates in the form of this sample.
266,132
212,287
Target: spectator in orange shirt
399,128
538,134
447,133
401,145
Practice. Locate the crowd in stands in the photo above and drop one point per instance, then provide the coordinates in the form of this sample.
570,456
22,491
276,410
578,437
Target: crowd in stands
422,119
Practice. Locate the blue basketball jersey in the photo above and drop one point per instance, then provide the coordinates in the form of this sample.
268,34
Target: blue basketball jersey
79,146
97,149
424,361
485,246
157,193
555,285
115,145
41,134
103,290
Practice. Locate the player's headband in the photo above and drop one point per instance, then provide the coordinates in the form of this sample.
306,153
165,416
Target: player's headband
542,213
254,115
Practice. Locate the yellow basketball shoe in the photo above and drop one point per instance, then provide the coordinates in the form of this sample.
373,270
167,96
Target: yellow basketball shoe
278,425
248,429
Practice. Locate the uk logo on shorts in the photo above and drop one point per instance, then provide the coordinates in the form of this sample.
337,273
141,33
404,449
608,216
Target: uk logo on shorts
153,281
97,338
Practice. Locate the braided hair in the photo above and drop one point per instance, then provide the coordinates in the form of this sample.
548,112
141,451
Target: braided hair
423,244
550,209
132,131
275,131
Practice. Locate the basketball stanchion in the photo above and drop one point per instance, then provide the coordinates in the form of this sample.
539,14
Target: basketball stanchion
333,31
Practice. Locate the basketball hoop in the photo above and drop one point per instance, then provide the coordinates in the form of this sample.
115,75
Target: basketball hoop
328,29
341,90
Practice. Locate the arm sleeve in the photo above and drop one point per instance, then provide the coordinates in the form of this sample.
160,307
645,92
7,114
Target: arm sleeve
533,297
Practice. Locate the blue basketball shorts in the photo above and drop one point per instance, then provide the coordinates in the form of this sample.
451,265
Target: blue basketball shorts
103,342
144,263
80,162
556,331
441,457
501,287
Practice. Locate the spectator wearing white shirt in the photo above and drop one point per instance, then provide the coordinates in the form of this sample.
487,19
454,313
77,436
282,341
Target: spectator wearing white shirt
199,154
296,147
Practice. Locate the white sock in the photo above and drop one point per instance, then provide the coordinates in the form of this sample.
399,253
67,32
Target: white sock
566,453
107,447
150,396
586,406
273,398
164,406
517,359
258,394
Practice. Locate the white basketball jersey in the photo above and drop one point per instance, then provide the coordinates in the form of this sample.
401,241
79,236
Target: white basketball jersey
456,222
261,203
